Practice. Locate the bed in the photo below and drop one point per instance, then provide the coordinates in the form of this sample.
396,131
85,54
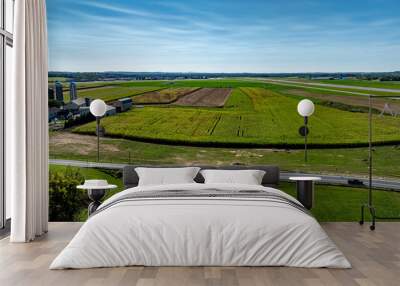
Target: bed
201,224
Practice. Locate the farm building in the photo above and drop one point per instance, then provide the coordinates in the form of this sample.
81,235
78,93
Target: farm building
53,113
71,107
123,104
85,110
110,110
82,101
75,105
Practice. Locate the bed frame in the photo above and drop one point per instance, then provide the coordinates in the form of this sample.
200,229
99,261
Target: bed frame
270,179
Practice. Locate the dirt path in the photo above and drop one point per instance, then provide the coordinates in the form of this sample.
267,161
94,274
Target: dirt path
80,144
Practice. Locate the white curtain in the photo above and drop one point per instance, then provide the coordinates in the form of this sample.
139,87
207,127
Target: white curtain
26,120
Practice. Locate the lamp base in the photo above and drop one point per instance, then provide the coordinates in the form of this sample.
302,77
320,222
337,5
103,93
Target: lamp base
95,196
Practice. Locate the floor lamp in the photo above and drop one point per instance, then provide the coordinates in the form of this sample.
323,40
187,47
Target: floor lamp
305,108
98,108
369,205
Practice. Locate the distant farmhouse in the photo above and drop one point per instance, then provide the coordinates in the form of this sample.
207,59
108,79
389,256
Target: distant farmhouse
54,112
77,110
123,104
110,110
78,106
82,101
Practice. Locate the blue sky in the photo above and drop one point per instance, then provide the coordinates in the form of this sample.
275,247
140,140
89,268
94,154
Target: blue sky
224,36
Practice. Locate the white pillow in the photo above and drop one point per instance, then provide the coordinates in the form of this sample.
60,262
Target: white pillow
166,176
247,177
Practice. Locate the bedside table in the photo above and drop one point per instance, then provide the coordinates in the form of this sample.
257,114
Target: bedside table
305,190
96,190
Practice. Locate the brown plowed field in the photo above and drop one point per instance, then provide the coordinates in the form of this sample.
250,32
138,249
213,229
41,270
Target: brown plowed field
163,96
206,97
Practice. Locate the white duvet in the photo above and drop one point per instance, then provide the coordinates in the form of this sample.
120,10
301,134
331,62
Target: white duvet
202,232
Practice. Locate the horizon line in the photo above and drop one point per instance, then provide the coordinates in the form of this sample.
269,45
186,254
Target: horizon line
197,72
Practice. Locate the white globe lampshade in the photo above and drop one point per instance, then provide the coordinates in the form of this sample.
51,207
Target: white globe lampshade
98,107
305,108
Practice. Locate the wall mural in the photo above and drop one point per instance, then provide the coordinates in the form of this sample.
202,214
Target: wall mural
205,83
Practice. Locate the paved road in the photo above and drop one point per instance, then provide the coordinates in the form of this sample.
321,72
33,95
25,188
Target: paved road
316,84
84,164
327,179
343,180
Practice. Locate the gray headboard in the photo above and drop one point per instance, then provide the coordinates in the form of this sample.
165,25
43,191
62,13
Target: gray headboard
271,177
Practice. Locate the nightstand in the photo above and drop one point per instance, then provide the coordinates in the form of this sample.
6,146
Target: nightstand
96,190
305,190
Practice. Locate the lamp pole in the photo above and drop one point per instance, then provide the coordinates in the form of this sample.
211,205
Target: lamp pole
98,109
98,137
305,108
305,137
369,204
370,150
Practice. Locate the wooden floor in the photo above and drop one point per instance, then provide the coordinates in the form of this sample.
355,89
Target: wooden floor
375,257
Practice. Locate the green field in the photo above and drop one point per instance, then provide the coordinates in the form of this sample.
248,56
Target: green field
357,82
81,86
52,80
349,161
348,89
111,93
256,117
331,203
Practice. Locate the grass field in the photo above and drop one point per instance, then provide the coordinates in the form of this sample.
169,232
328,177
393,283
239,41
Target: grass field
106,90
357,82
111,93
331,203
349,90
334,203
255,117
84,86
353,102
345,90
52,80
349,161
